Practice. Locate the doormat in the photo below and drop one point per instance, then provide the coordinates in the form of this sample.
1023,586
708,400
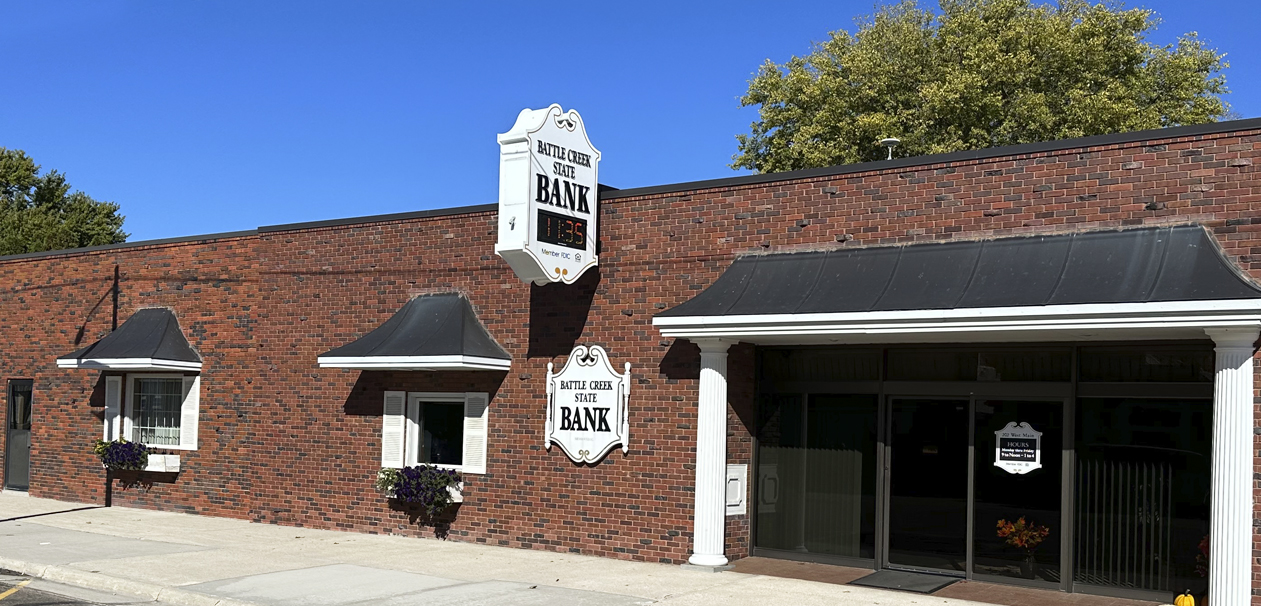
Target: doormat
905,581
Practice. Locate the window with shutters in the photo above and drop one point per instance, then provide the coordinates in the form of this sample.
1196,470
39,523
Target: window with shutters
447,430
159,410
155,407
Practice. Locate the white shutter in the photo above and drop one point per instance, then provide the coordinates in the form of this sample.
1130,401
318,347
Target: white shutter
128,414
113,406
475,408
189,412
411,437
393,429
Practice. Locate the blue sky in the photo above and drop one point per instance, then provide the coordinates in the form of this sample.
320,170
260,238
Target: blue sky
203,117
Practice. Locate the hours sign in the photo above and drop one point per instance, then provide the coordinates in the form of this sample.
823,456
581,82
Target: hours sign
548,207
586,406
1018,448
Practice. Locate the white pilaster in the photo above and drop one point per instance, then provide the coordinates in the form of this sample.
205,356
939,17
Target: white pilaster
1230,533
709,519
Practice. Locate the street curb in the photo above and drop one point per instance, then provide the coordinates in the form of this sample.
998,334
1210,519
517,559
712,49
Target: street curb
100,582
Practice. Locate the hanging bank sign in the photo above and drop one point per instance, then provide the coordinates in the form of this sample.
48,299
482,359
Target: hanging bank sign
586,406
548,208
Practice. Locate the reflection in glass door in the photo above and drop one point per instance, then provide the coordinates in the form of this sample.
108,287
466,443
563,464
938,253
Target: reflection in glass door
816,474
928,484
1016,517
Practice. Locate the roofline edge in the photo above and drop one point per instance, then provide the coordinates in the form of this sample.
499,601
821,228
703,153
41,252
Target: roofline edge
1172,132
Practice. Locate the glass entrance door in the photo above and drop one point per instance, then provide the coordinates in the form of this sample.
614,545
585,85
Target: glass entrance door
1017,488
928,484
17,459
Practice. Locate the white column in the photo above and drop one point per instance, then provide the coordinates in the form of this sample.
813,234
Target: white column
1230,533
709,513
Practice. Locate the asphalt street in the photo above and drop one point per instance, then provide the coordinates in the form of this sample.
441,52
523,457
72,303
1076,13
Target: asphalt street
21,590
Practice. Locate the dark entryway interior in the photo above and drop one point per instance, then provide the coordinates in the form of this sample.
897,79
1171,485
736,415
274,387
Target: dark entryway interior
928,484
885,458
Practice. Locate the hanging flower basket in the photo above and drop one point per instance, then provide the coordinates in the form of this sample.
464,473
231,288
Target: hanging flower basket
425,486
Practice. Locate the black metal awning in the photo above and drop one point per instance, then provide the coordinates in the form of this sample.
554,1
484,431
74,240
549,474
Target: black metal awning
1167,282
150,339
430,332
1132,266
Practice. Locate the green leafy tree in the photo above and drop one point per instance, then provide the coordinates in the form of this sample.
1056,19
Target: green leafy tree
982,73
39,212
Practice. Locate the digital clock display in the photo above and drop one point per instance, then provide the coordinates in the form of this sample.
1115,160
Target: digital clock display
562,231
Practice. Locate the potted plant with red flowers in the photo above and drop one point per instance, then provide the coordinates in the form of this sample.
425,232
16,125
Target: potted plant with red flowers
1024,535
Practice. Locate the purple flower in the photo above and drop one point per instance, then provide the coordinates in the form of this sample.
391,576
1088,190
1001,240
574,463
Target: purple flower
426,486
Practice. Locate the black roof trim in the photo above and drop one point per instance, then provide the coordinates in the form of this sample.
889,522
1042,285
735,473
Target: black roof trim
150,333
158,242
420,214
1147,265
961,156
417,214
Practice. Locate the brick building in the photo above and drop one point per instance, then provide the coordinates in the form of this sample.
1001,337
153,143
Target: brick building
855,332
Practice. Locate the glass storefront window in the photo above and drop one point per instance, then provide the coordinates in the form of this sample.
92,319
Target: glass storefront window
817,474
1129,517
1149,364
820,365
1142,493
931,365
1053,365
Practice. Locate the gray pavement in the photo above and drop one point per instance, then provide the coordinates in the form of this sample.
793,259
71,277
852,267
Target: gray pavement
139,556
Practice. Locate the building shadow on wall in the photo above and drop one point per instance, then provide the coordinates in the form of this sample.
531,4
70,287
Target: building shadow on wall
682,362
96,399
558,315
366,398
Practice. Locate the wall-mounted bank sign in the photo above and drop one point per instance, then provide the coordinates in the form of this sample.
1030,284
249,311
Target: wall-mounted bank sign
548,206
1018,448
586,406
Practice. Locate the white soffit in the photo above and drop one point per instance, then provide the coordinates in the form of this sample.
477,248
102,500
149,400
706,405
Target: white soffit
415,363
127,364
1161,320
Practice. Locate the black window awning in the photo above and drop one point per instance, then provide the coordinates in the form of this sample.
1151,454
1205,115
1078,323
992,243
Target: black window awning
149,340
430,332
1153,271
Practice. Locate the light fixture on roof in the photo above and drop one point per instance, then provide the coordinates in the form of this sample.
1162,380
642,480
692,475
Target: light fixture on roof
890,143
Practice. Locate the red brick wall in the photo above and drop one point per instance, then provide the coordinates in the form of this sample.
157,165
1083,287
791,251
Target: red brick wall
286,442
54,305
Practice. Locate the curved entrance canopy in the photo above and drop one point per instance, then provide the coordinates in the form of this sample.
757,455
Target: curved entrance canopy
1168,282
149,340
430,332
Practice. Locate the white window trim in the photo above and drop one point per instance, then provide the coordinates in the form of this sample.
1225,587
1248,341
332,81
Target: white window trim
128,414
411,429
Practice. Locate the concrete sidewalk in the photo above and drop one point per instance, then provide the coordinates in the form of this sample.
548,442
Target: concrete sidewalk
203,561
